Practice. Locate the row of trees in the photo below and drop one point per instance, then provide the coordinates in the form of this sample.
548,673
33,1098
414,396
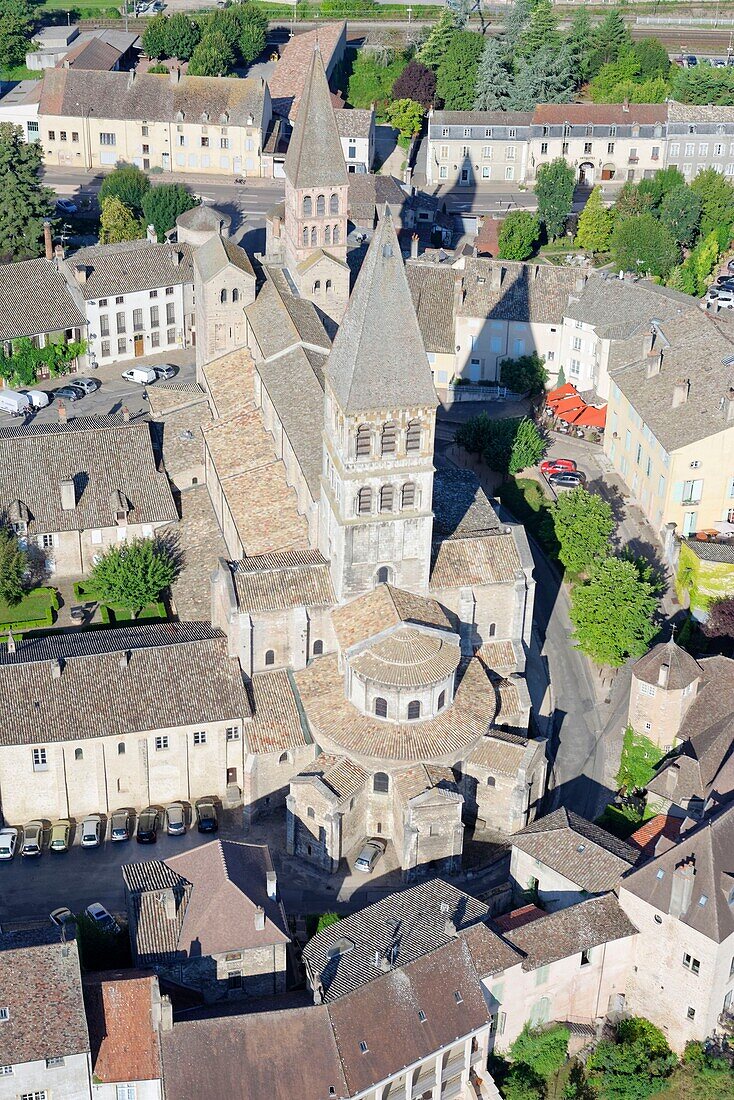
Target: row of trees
507,445
214,43
129,203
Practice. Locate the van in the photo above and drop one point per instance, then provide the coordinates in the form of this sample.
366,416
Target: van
13,403
144,376
39,399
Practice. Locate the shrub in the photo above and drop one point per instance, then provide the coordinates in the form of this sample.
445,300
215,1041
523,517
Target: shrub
544,1050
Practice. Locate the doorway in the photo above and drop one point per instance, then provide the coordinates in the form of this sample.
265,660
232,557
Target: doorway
586,174
231,777
138,346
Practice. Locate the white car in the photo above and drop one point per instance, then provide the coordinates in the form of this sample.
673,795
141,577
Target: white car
91,831
8,841
372,850
101,917
143,376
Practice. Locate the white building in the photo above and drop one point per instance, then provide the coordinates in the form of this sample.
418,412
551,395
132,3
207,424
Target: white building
357,135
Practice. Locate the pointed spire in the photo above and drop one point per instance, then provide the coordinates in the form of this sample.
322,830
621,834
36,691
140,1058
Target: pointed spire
11,642
315,157
378,358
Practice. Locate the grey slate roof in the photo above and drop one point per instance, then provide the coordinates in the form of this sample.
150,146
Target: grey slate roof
315,157
114,269
570,931
369,194
35,299
101,462
581,851
694,347
618,308
355,122
275,582
294,382
712,551
280,321
461,508
682,668
204,217
481,118
111,680
378,359
433,290
699,112
526,291
216,253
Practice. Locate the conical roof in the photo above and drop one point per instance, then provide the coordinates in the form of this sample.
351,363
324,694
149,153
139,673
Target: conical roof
315,157
682,668
378,359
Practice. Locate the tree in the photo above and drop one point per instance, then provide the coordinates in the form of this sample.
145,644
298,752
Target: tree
494,81
545,78
720,623
554,188
155,37
436,46
644,245
523,1083
634,1066
416,82
16,23
117,222
128,184
214,56
631,202
543,1050
680,210
660,184
182,36
406,116
703,85
595,224
613,613
583,523
163,204
506,444
326,920
25,203
13,565
541,31
373,78
133,574
518,236
252,41
457,72
610,36
516,22
528,447
580,43
524,375
717,200
653,58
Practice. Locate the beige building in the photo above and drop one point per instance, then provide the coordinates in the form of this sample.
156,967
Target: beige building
664,685
204,125
468,148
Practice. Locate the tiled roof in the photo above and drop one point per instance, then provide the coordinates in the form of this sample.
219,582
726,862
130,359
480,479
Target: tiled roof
500,753
338,725
74,93
113,269
203,217
35,299
122,1031
570,931
722,552
529,292
279,321
385,606
619,308
663,829
289,78
499,656
356,123
682,668
698,112
342,776
369,193
487,559
216,254
518,917
415,780
229,381
111,680
294,383
601,113
378,359
481,118
101,462
276,725
406,925
460,505
433,290
579,850
315,157
407,657
276,582
41,985
94,53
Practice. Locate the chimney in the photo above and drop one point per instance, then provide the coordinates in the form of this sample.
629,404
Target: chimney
449,928
271,881
654,363
536,271
80,273
166,1013
168,901
59,252
11,642
384,962
495,281
55,668
626,105
175,75
68,494
664,674
648,342
730,405
48,243
62,412
131,78
414,247
151,234
680,392
124,659
681,890
259,918
579,282
125,414
176,257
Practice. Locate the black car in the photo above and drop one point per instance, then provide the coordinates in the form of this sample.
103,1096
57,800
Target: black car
148,826
206,817
69,393
567,480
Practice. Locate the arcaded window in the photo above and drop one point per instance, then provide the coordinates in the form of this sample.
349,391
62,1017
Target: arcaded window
364,500
387,497
413,436
270,657
307,206
314,238
492,630
328,285
389,438
442,700
381,708
364,441
320,206
335,235
414,710
383,575
317,285
380,783
223,296
78,754
327,234
305,234
235,295
121,748
284,758
408,495
333,204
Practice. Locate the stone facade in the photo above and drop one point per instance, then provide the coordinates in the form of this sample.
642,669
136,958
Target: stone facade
70,1078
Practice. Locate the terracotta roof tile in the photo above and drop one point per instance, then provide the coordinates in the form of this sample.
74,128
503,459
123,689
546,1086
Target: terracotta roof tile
122,1031
276,724
383,607
570,931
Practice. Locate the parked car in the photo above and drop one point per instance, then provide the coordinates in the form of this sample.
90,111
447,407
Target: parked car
147,826
68,393
8,841
14,403
120,825
66,206
60,833
38,399
175,819
87,385
165,370
61,916
32,839
557,466
102,918
142,376
567,480
371,851
206,817
730,266
91,831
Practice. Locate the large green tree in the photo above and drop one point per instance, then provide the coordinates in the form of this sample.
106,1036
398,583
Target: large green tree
494,80
252,41
631,202
518,235
516,20
653,57
155,37
457,73
580,43
528,447
644,245
680,210
541,30
16,24
182,36
24,202
117,222
524,375
703,84
133,574
13,564
373,79
554,188
214,56
595,224
543,1049
610,36
717,200
583,523
129,184
163,204
635,1066
547,77
613,612
436,46
406,116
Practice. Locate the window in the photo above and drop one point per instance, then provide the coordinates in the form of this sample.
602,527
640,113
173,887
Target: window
381,782
52,135
408,495
586,957
387,498
414,710
487,152
78,754
307,206
40,764
694,965
284,758
121,748
577,343
6,1071
200,737
52,1063
364,501
320,206
310,812
363,1047
512,132
443,172
610,147
364,441
334,204
171,336
305,235
647,689
235,295
270,657
413,436
126,1092
120,321
564,148
155,339
543,148
119,300
383,575
106,350
205,143
104,325
224,143
389,439
675,149
510,152
441,701
690,1013
169,291
233,733
102,303
42,1095
541,975
444,131
47,541
154,320
587,146
491,781
234,980
381,708
692,491
137,320
107,139
121,345
161,743
170,316
335,235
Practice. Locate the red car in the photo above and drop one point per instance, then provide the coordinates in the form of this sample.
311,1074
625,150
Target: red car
557,466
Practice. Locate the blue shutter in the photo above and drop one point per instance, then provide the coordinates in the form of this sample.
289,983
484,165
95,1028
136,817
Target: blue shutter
678,492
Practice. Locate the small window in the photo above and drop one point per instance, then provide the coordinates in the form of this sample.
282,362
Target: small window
310,812
284,758
327,234
121,748
6,1071
235,295
320,206
200,737
317,286
383,575
223,296
381,782
364,500
491,781
334,204
53,1063
364,441
233,733
421,1015
363,1047
492,630
413,436
78,754
270,657
318,648
389,438
690,1013
585,957
161,744
408,495
441,700
381,708
414,710
458,997
40,764
4,1015
307,206
387,498
234,980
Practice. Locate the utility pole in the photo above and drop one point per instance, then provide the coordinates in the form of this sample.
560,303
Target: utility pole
407,33
126,28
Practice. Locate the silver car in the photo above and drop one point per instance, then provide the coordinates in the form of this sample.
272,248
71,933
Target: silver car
175,819
91,831
32,839
89,385
371,851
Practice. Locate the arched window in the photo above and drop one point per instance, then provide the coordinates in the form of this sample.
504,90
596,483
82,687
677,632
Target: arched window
334,204
270,657
222,296
364,500
284,758
492,630
381,708
335,234
442,700
383,575
327,234
380,783
318,648
413,436
78,754
387,497
328,285
305,234
491,781
311,812
320,206
121,748
314,239
307,206
408,495
235,295
389,438
317,285
414,710
364,441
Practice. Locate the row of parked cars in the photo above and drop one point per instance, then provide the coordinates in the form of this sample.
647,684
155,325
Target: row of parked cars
562,473
722,291
30,839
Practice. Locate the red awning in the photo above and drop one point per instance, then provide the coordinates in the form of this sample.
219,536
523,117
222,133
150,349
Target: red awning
592,417
554,396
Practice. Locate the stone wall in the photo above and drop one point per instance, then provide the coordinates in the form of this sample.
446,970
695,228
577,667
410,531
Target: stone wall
261,970
554,890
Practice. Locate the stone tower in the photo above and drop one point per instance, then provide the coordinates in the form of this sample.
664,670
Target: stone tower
316,197
380,414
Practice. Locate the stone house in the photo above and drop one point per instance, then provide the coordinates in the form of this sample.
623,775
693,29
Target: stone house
357,135
664,685
224,283
125,1014
40,304
561,859
700,137
72,489
210,920
44,1042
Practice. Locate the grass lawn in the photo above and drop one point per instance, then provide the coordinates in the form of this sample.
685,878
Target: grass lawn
112,614
688,1082
34,611
524,497
88,9
20,72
